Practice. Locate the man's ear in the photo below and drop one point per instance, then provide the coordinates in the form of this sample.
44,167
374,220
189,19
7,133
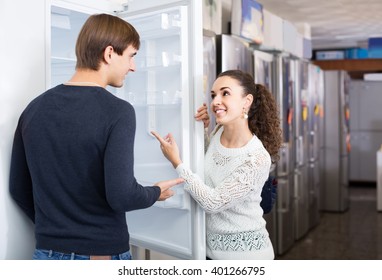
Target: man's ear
107,54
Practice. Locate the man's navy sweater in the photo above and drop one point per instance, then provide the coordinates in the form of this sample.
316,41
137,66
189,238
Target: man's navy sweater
72,170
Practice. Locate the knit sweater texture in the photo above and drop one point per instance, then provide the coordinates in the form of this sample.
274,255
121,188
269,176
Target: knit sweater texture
72,170
231,197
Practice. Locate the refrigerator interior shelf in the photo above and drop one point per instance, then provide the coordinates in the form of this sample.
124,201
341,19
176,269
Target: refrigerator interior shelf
161,21
162,100
62,60
160,66
178,200
157,106
158,33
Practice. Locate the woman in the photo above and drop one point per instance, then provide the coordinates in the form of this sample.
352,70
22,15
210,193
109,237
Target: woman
244,143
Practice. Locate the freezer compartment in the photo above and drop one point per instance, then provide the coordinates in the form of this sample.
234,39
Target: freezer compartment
158,229
314,194
336,185
301,214
285,214
344,184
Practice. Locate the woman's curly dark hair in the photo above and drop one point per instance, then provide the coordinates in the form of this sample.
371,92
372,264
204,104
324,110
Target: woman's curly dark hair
263,116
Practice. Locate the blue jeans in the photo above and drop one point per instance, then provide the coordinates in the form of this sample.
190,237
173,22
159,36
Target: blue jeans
40,254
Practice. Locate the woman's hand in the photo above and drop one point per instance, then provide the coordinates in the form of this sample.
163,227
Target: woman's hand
202,115
169,148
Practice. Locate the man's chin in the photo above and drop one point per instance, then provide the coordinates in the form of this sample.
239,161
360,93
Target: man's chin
119,85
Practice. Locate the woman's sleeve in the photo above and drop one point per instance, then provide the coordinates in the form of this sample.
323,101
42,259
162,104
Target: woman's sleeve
248,176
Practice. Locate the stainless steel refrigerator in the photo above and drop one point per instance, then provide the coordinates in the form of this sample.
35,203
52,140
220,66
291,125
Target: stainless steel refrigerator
283,87
299,82
337,137
316,141
264,74
233,53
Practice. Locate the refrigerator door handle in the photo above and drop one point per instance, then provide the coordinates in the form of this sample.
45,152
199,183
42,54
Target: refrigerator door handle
313,145
300,150
285,198
283,165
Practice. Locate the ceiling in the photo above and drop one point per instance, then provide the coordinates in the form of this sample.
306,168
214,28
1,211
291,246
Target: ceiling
333,23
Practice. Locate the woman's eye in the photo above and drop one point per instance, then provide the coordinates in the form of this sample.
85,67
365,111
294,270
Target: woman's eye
213,96
225,93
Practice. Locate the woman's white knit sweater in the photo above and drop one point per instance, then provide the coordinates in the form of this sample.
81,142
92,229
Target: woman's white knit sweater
231,197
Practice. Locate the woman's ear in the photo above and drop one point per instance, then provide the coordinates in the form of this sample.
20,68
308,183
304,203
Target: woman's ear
248,100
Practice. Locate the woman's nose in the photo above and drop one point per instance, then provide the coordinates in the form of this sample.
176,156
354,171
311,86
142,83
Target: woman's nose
216,101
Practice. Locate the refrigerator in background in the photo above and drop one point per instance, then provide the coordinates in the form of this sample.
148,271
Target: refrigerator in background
337,141
316,140
284,88
233,53
299,87
263,74
165,91
321,132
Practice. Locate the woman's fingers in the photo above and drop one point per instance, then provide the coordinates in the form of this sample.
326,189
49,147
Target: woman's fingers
157,136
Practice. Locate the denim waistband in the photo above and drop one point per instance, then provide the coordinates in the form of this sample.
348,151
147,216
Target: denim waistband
42,254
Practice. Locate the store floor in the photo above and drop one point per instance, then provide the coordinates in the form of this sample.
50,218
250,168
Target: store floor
353,235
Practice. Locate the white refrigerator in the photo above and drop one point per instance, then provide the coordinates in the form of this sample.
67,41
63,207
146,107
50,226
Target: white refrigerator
165,90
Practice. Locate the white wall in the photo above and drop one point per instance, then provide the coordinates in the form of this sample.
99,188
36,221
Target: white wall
22,77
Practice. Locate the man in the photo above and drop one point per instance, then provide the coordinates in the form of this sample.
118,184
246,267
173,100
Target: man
72,157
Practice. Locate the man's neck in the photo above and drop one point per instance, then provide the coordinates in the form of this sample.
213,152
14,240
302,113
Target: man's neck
83,76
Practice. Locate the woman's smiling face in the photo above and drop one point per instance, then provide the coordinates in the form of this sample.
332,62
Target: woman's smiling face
228,100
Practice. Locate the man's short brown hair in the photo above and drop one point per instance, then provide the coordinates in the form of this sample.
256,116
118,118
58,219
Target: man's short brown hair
99,32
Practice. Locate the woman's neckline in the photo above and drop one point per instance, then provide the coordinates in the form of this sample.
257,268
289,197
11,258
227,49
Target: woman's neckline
232,149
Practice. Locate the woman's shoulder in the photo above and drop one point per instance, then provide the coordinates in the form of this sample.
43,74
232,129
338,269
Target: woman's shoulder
257,150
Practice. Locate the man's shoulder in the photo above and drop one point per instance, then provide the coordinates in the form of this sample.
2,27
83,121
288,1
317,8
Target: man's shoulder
118,105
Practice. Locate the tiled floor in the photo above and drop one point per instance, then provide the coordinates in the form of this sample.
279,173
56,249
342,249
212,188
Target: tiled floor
353,235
